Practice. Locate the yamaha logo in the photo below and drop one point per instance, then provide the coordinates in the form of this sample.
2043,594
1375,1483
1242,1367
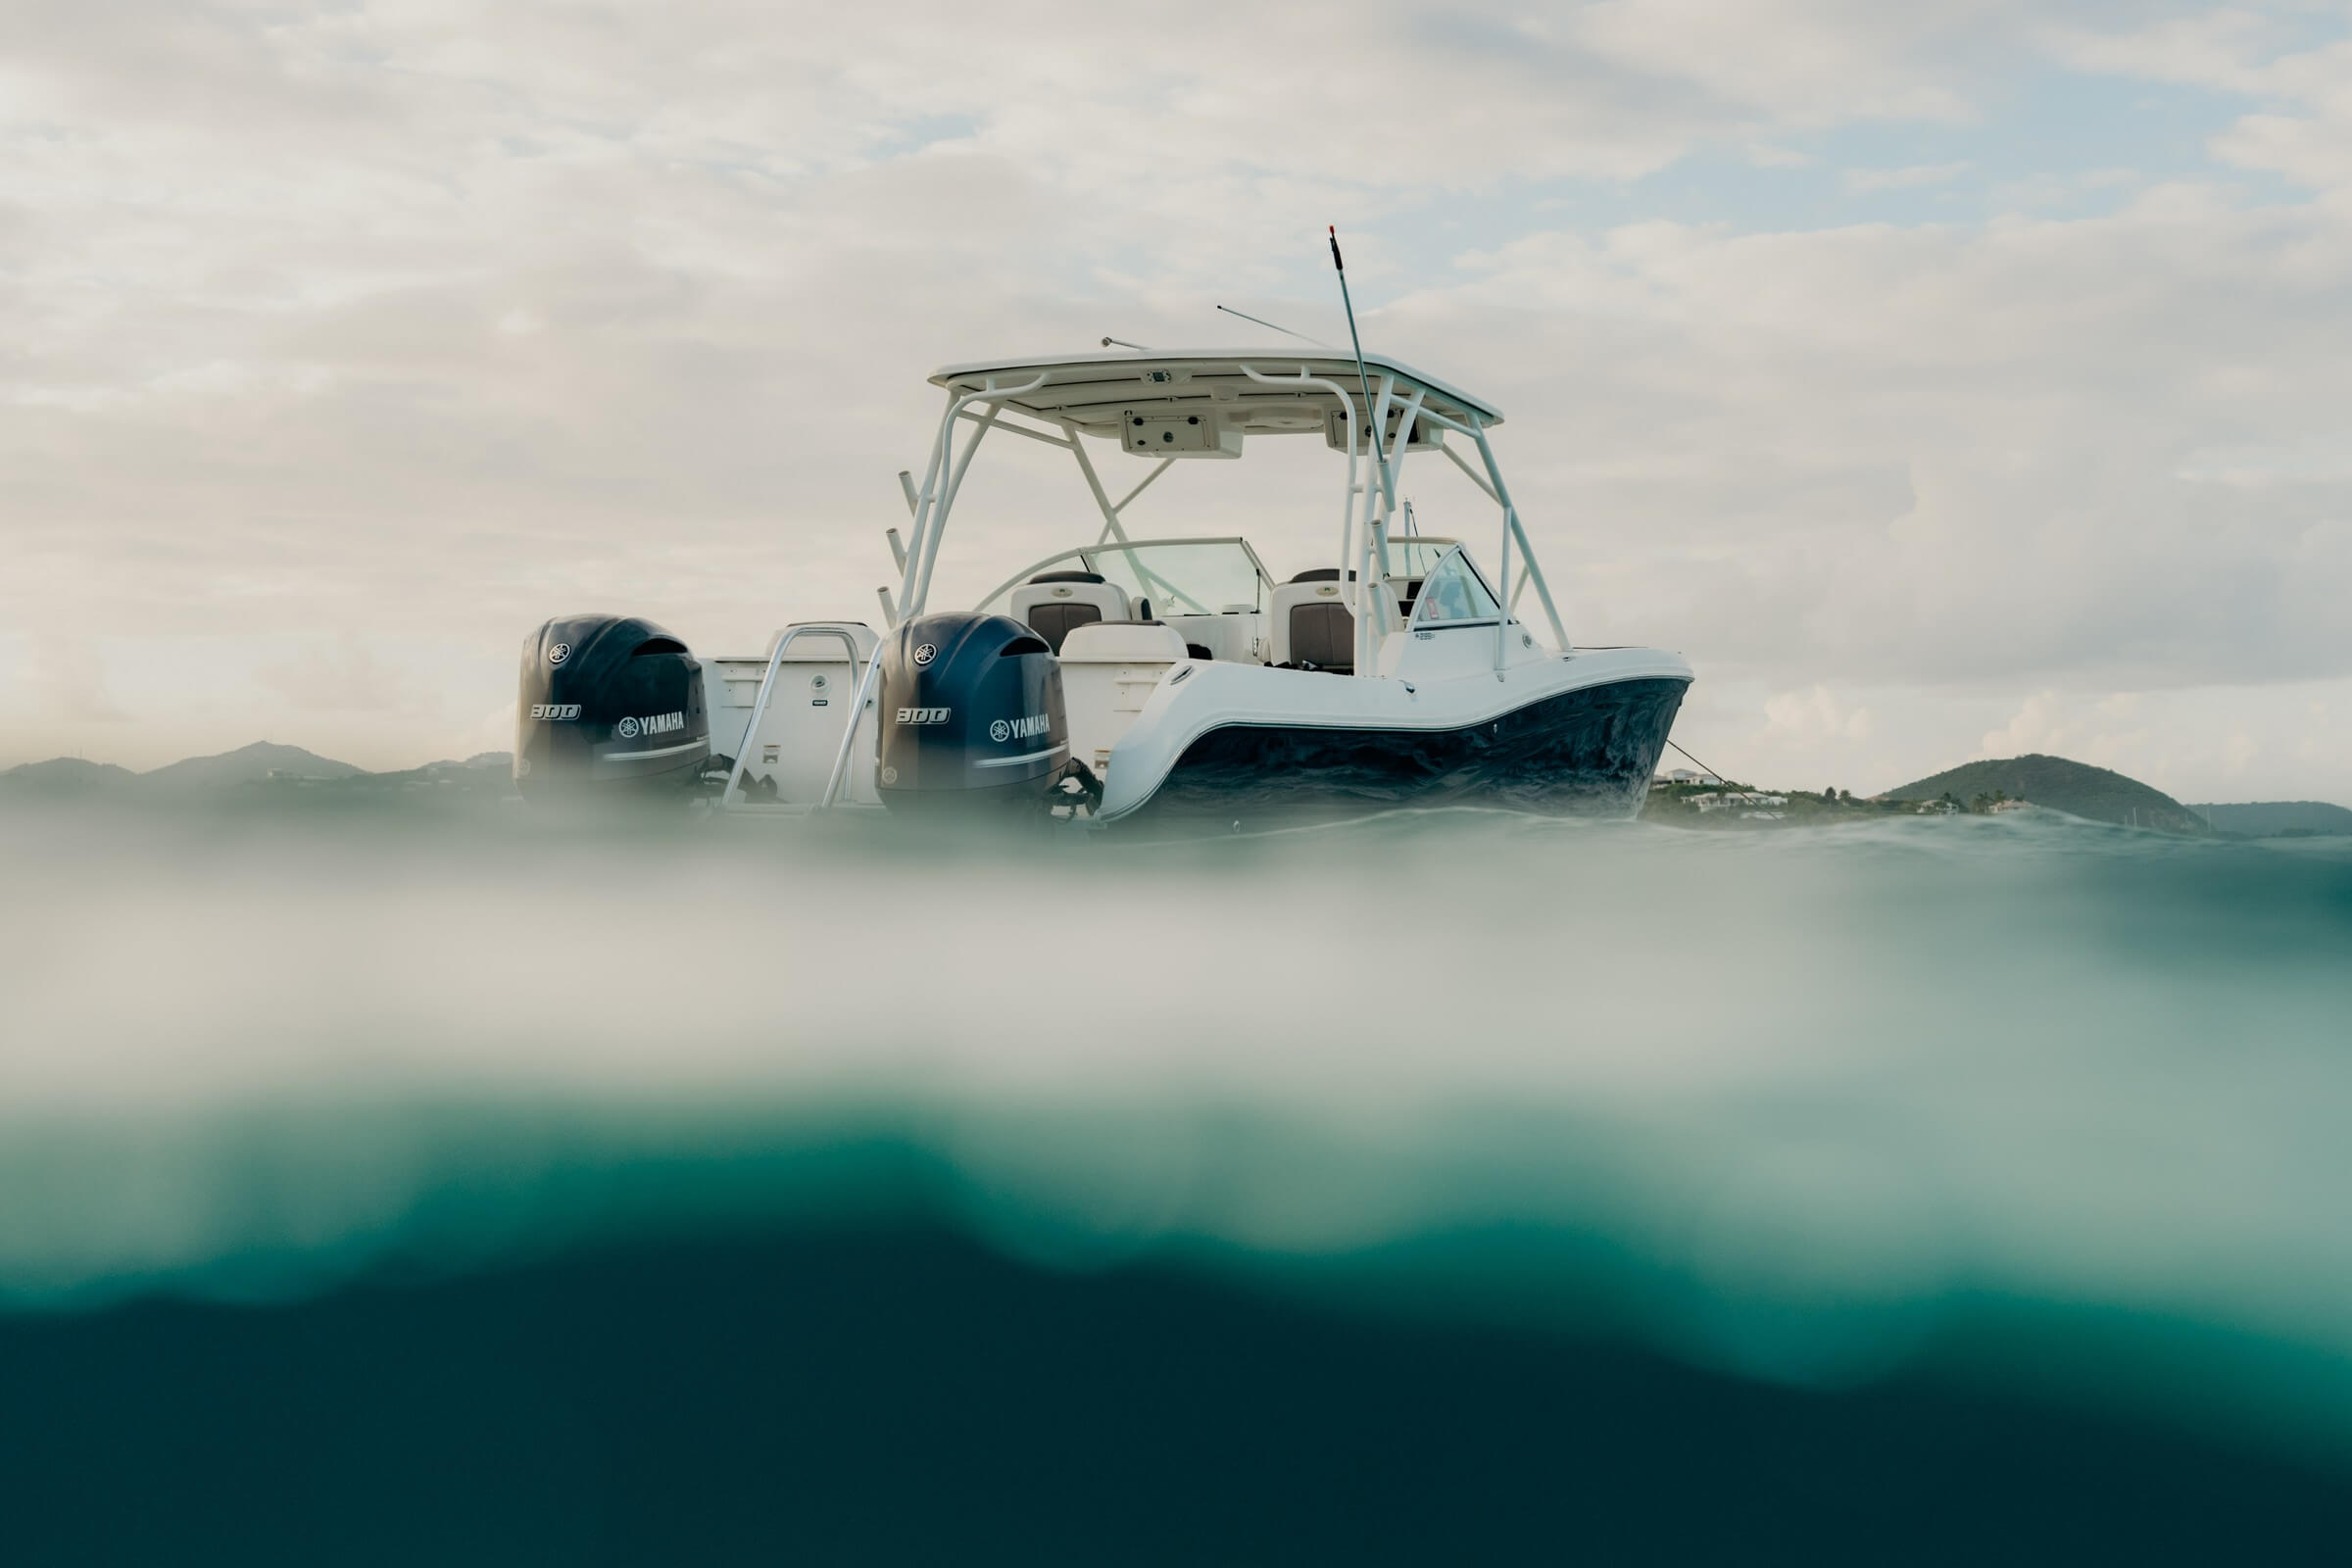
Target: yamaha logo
559,652
927,653
1020,729
628,730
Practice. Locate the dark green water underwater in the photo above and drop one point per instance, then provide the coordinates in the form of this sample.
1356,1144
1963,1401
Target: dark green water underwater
468,1188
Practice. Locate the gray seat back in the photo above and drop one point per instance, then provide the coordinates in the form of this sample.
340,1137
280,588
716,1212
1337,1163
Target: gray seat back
1323,634
1053,621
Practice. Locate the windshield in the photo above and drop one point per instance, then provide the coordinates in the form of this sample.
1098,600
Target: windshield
1453,593
1205,579
1417,556
1183,577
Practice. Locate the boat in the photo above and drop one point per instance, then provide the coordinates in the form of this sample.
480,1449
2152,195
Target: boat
1148,680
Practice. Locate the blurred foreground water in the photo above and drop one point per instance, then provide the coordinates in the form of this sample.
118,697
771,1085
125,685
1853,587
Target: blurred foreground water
402,1186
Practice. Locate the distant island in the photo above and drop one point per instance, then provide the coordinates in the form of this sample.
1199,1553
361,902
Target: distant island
261,771
2094,793
266,772
1684,798
2265,819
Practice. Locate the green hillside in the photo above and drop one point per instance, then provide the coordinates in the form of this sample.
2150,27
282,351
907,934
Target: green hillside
65,777
244,765
2076,787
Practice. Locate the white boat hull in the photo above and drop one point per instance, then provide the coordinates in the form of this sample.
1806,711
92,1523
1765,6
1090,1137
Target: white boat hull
1565,736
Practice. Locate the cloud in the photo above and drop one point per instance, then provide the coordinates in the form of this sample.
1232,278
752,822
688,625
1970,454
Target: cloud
1911,178
2215,47
2036,727
1804,61
2303,130
67,682
2131,733
341,676
1816,713
1941,454
431,321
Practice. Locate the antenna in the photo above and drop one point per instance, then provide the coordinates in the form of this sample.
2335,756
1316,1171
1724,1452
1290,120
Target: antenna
1363,378
1284,330
1374,538
1123,343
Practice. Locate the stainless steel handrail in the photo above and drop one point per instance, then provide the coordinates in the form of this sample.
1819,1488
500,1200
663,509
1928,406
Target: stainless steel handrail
767,684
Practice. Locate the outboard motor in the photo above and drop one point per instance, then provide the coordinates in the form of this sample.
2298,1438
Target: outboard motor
609,703
971,713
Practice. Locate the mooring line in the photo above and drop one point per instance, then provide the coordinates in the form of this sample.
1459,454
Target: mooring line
1702,767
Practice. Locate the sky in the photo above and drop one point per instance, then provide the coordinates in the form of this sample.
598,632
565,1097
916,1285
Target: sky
1945,381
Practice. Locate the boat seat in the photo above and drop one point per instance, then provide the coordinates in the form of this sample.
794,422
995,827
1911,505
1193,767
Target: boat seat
1313,626
1123,642
1322,633
1053,603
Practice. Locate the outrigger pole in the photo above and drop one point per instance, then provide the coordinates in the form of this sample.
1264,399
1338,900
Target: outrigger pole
1372,422
1363,378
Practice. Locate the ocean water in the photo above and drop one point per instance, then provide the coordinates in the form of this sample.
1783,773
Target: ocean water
387,1185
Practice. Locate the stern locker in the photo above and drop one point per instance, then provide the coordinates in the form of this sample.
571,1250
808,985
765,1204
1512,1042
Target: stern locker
793,753
1109,673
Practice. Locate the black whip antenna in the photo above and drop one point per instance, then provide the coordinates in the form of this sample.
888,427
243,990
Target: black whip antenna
1363,378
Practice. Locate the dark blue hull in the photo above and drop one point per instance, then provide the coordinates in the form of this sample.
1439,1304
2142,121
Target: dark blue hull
1588,753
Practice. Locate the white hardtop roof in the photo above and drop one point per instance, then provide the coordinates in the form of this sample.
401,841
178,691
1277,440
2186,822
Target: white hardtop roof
1089,390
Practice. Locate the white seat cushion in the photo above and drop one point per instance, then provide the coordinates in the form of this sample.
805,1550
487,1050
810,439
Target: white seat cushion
1122,642
1107,597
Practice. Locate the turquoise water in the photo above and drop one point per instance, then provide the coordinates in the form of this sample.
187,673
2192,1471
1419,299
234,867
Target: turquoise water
1834,1175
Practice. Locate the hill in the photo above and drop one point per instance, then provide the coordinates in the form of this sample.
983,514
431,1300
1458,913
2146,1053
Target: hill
245,765
275,771
2076,787
65,776
2264,818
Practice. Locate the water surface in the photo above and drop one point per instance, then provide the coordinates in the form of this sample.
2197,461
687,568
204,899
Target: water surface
399,1184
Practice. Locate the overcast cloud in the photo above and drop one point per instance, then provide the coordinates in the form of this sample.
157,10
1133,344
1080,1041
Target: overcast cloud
1945,381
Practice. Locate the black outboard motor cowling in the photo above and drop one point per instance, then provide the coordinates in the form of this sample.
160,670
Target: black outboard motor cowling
609,704
971,714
